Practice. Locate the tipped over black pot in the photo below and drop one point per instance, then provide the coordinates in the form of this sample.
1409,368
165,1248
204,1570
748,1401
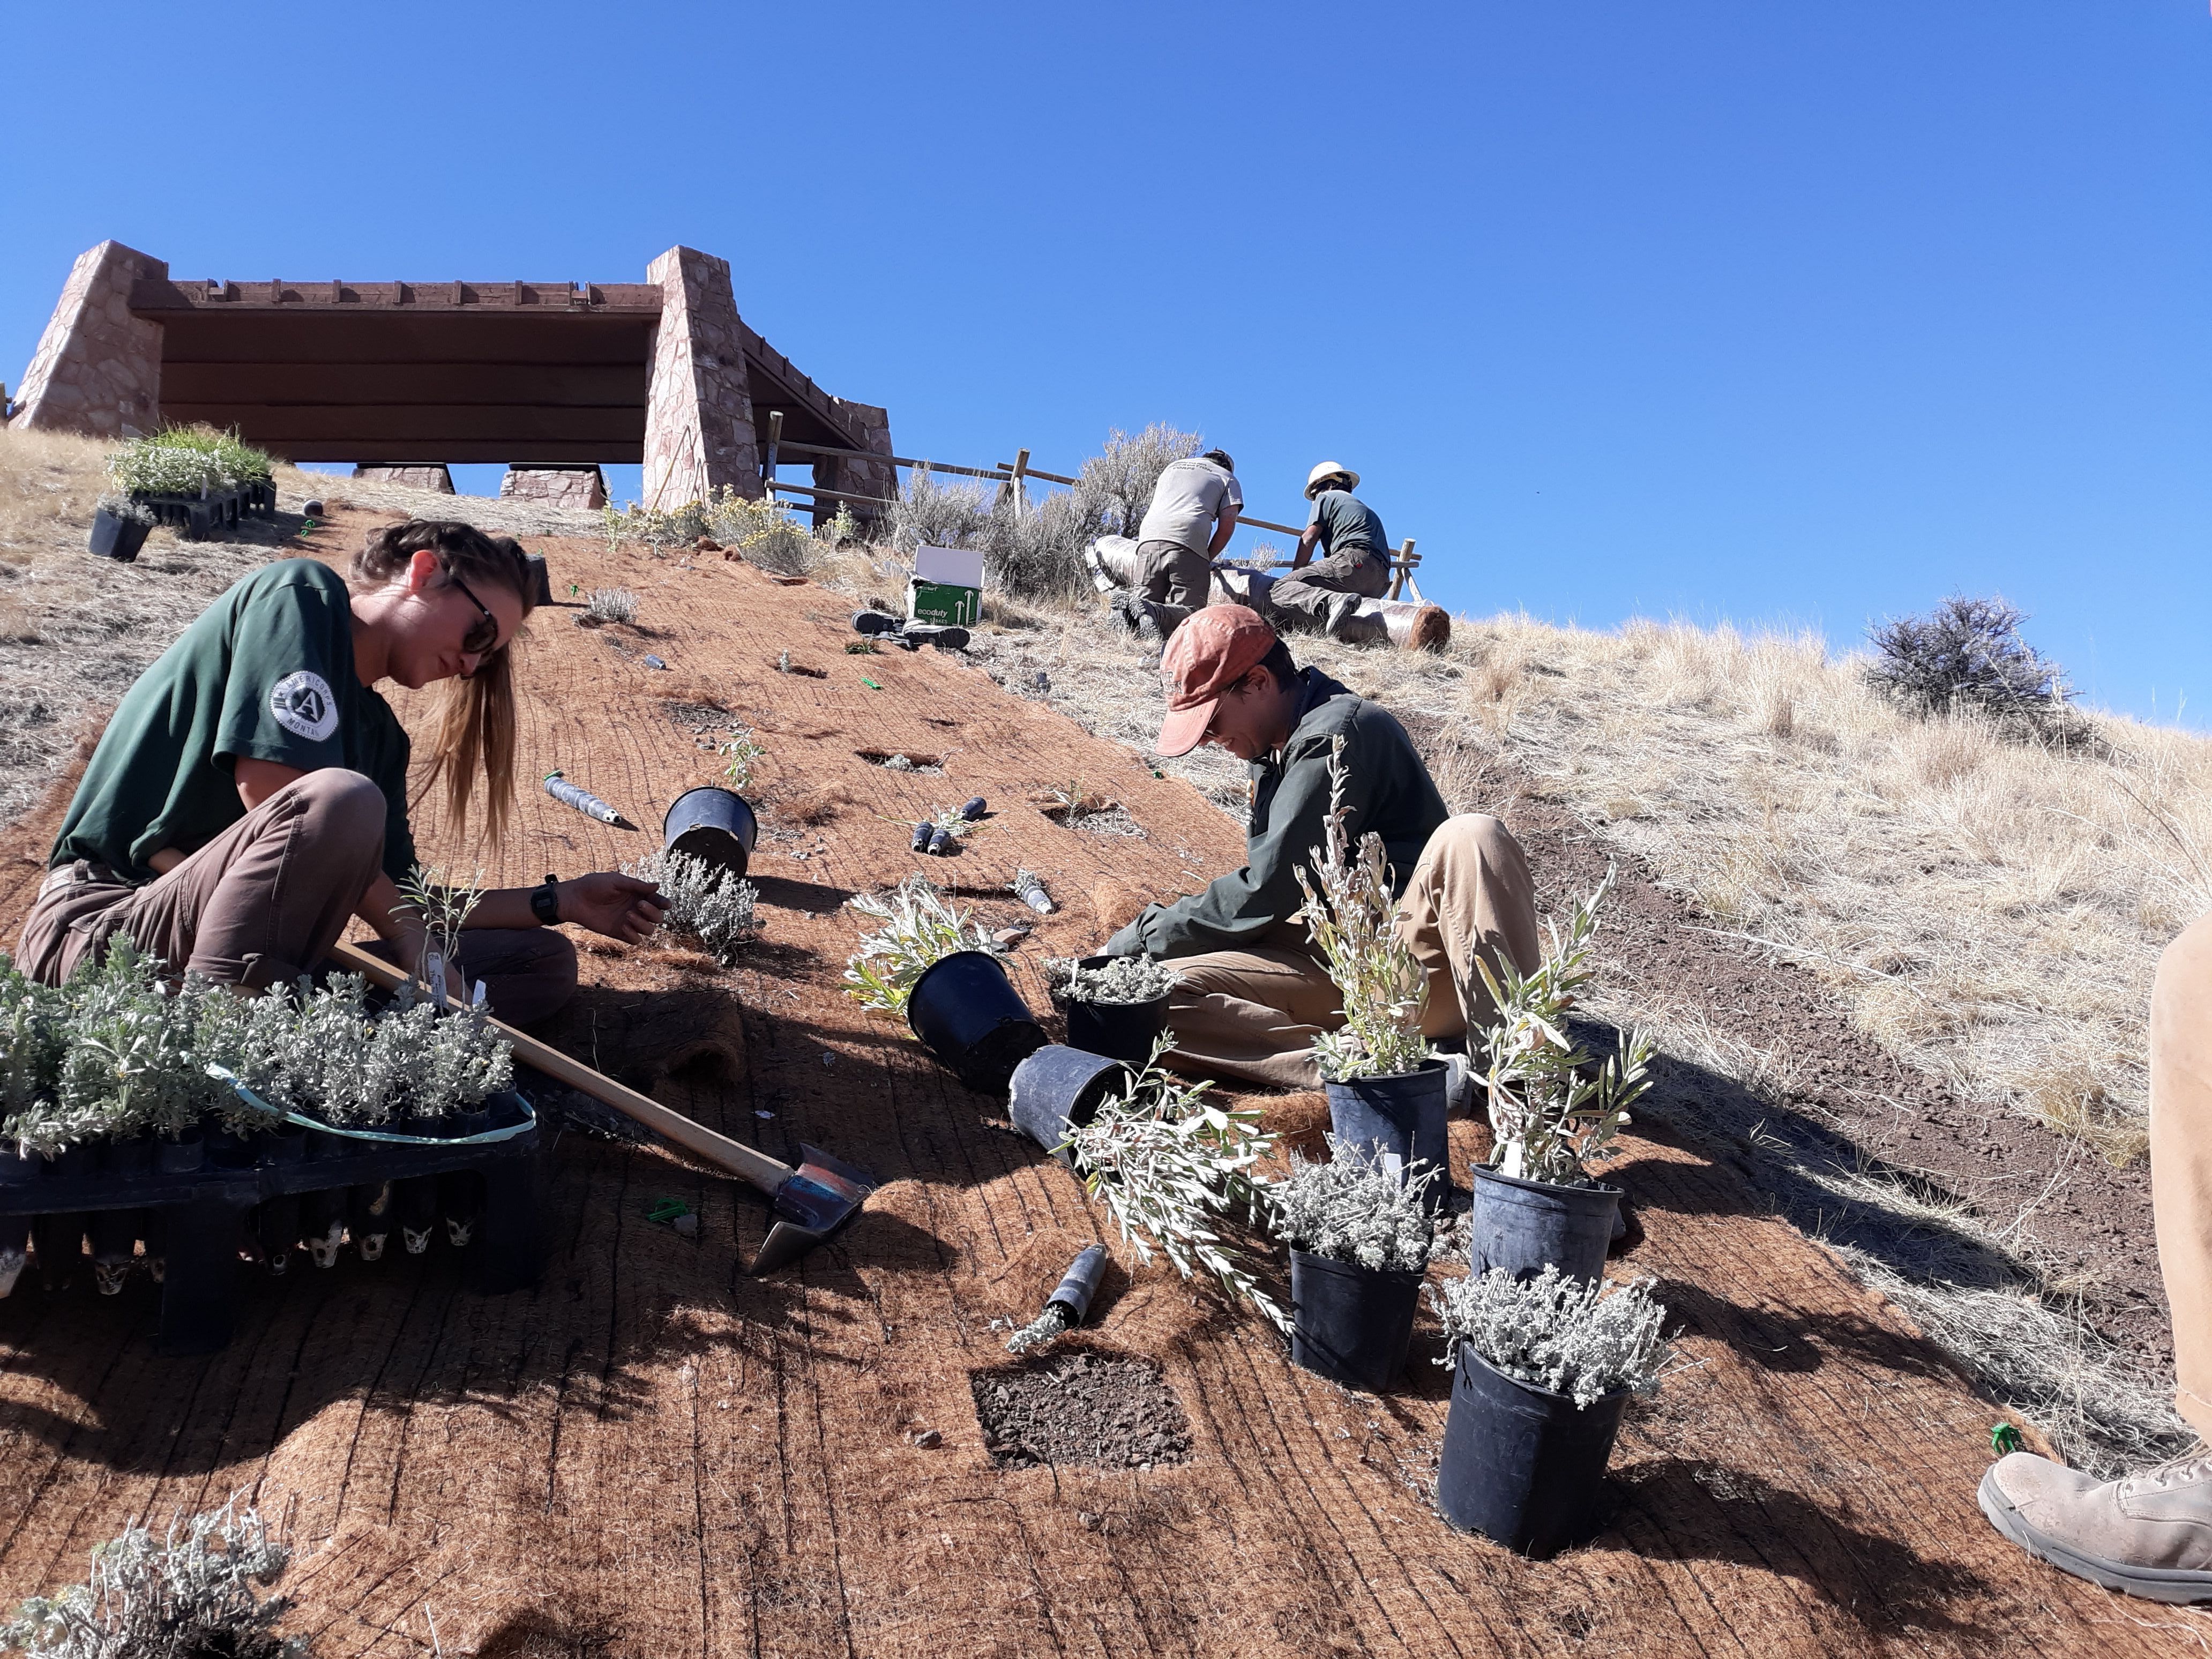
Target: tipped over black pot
1524,1466
1058,1089
966,1012
712,824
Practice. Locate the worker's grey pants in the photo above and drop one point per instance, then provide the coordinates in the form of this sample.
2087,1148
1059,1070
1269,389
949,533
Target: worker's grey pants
1306,596
1172,581
267,899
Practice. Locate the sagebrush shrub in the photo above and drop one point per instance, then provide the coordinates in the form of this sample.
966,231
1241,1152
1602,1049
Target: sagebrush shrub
611,604
932,514
1120,980
186,1595
1967,656
1353,1208
920,930
1557,1333
713,906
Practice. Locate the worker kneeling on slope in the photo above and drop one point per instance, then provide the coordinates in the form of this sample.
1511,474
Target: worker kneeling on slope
1191,518
1324,594
1252,994
249,792
2150,1533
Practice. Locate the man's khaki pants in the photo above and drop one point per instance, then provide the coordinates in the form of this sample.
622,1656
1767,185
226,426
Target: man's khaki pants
1307,596
1250,1016
1173,581
264,901
2181,1159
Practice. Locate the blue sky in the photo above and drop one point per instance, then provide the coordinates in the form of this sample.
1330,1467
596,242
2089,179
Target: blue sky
1776,312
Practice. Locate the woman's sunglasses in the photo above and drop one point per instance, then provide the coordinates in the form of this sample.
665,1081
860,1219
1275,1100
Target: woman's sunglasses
484,633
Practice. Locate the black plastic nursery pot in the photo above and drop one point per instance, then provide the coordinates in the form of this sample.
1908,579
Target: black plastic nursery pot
1521,1465
1352,1324
1123,1029
712,824
1524,1226
967,1013
117,537
1400,1117
1058,1089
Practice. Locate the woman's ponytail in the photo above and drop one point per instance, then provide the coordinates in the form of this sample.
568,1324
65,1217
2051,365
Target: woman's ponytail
476,718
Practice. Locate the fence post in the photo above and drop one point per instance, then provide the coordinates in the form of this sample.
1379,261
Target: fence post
1403,569
768,458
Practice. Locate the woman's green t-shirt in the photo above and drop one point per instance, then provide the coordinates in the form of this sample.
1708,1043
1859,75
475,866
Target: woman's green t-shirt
266,672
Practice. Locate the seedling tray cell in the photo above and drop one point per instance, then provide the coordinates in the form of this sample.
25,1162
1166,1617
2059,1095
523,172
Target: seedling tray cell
200,1214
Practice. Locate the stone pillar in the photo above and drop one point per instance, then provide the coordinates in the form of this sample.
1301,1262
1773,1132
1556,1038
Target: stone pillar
98,368
416,475
557,486
877,478
699,414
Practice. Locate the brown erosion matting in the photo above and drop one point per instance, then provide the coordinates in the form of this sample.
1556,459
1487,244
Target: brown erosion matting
651,1453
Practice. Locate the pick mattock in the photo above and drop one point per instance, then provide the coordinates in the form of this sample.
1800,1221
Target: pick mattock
811,1202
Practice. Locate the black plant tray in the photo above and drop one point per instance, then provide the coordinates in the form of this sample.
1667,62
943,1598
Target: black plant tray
202,1212
197,517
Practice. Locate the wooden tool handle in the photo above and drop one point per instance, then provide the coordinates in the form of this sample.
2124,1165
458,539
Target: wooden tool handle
740,1159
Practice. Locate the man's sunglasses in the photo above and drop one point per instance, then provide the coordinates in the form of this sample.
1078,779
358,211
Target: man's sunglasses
483,632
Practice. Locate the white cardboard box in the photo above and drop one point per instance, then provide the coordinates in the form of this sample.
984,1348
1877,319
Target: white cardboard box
948,566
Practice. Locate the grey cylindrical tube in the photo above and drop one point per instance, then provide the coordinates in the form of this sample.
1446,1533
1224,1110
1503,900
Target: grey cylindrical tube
1081,1283
584,801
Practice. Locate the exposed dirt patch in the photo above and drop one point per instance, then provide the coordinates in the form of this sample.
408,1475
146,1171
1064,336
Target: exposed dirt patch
1099,1411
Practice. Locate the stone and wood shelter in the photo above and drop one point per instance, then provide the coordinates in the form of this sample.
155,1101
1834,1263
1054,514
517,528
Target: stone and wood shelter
553,379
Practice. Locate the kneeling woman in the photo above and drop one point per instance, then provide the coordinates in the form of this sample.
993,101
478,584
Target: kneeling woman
250,794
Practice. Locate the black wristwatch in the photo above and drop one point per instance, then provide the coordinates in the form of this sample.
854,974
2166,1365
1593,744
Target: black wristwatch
545,902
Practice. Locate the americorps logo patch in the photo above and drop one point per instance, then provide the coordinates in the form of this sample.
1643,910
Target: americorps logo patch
303,702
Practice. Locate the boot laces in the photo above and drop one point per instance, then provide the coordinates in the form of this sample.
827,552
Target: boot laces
2176,1471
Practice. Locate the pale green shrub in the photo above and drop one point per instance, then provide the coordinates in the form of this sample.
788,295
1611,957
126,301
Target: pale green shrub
1557,1333
920,930
1354,1209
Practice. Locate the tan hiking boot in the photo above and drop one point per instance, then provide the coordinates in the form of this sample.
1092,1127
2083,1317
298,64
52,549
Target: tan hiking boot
2150,1534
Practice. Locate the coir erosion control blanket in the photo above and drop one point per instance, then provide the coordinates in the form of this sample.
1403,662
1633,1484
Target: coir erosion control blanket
651,1453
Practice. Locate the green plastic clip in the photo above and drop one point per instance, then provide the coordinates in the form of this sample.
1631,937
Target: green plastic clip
667,1209
2004,1439
870,683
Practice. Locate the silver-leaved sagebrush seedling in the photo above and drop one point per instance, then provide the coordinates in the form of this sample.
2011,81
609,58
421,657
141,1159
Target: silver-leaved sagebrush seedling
1169,1165
1120,980
188,1592
1353,921
713,905
1552,1107
1557,1333
1354,1209
117,1051
920,930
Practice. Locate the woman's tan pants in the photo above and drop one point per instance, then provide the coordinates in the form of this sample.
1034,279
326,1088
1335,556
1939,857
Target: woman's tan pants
1251,1016
2181,1158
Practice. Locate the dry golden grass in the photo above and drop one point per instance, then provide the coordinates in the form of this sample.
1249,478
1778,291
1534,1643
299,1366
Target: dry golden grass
1992,912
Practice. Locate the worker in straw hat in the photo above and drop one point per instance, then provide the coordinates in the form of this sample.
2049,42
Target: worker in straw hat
2148,1532
1324,593
1253,995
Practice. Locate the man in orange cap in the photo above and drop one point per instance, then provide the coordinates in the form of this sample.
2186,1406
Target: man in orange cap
1253,995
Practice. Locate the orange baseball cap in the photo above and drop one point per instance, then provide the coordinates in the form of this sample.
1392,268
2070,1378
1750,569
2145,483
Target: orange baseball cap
1213,649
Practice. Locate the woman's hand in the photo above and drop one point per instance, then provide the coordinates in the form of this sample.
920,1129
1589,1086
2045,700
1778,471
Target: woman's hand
620,907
